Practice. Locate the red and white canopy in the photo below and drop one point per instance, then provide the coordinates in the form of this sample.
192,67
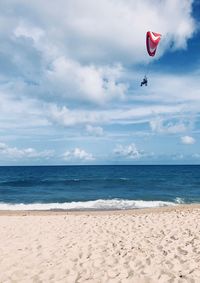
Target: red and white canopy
152,40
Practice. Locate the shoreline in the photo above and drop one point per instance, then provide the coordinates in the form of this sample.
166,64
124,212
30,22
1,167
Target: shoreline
178,207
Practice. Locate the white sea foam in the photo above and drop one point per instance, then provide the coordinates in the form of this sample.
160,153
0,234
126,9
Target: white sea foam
179,200
88,205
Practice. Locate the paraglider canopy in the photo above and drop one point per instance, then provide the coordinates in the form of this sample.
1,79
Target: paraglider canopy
152,40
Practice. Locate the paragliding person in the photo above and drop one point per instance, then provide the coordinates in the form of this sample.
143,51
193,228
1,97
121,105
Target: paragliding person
144,82
152,41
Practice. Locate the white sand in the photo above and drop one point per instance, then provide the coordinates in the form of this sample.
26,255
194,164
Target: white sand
158,245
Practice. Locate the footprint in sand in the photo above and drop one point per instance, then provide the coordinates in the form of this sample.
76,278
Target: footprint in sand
181,251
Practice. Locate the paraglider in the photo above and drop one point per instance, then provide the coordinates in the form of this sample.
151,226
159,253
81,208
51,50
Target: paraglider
152,41
144,82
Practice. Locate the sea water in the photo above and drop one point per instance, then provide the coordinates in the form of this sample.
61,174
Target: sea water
98,187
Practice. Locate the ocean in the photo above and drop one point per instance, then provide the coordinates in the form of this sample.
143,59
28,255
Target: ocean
97,187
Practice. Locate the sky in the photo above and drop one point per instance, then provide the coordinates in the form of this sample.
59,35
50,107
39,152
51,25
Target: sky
70,74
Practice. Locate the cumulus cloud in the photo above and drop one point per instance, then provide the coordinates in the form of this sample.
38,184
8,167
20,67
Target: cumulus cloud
85,55
78,154
188,140
96,84
16,153
76,62
129,151
110,30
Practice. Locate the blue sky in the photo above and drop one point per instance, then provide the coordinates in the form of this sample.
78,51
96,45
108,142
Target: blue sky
70,77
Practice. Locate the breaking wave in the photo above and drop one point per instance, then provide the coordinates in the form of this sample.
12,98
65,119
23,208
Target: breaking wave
99,204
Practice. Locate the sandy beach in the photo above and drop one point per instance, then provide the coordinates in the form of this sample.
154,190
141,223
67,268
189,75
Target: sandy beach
147,245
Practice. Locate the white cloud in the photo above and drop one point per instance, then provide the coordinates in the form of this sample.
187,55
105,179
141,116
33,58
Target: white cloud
127,114
16,153
94,131
59,59
129,151
65,116
188,140
14,109
178,87
78,154
168,127
29,31
85,56
85,82
111,30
